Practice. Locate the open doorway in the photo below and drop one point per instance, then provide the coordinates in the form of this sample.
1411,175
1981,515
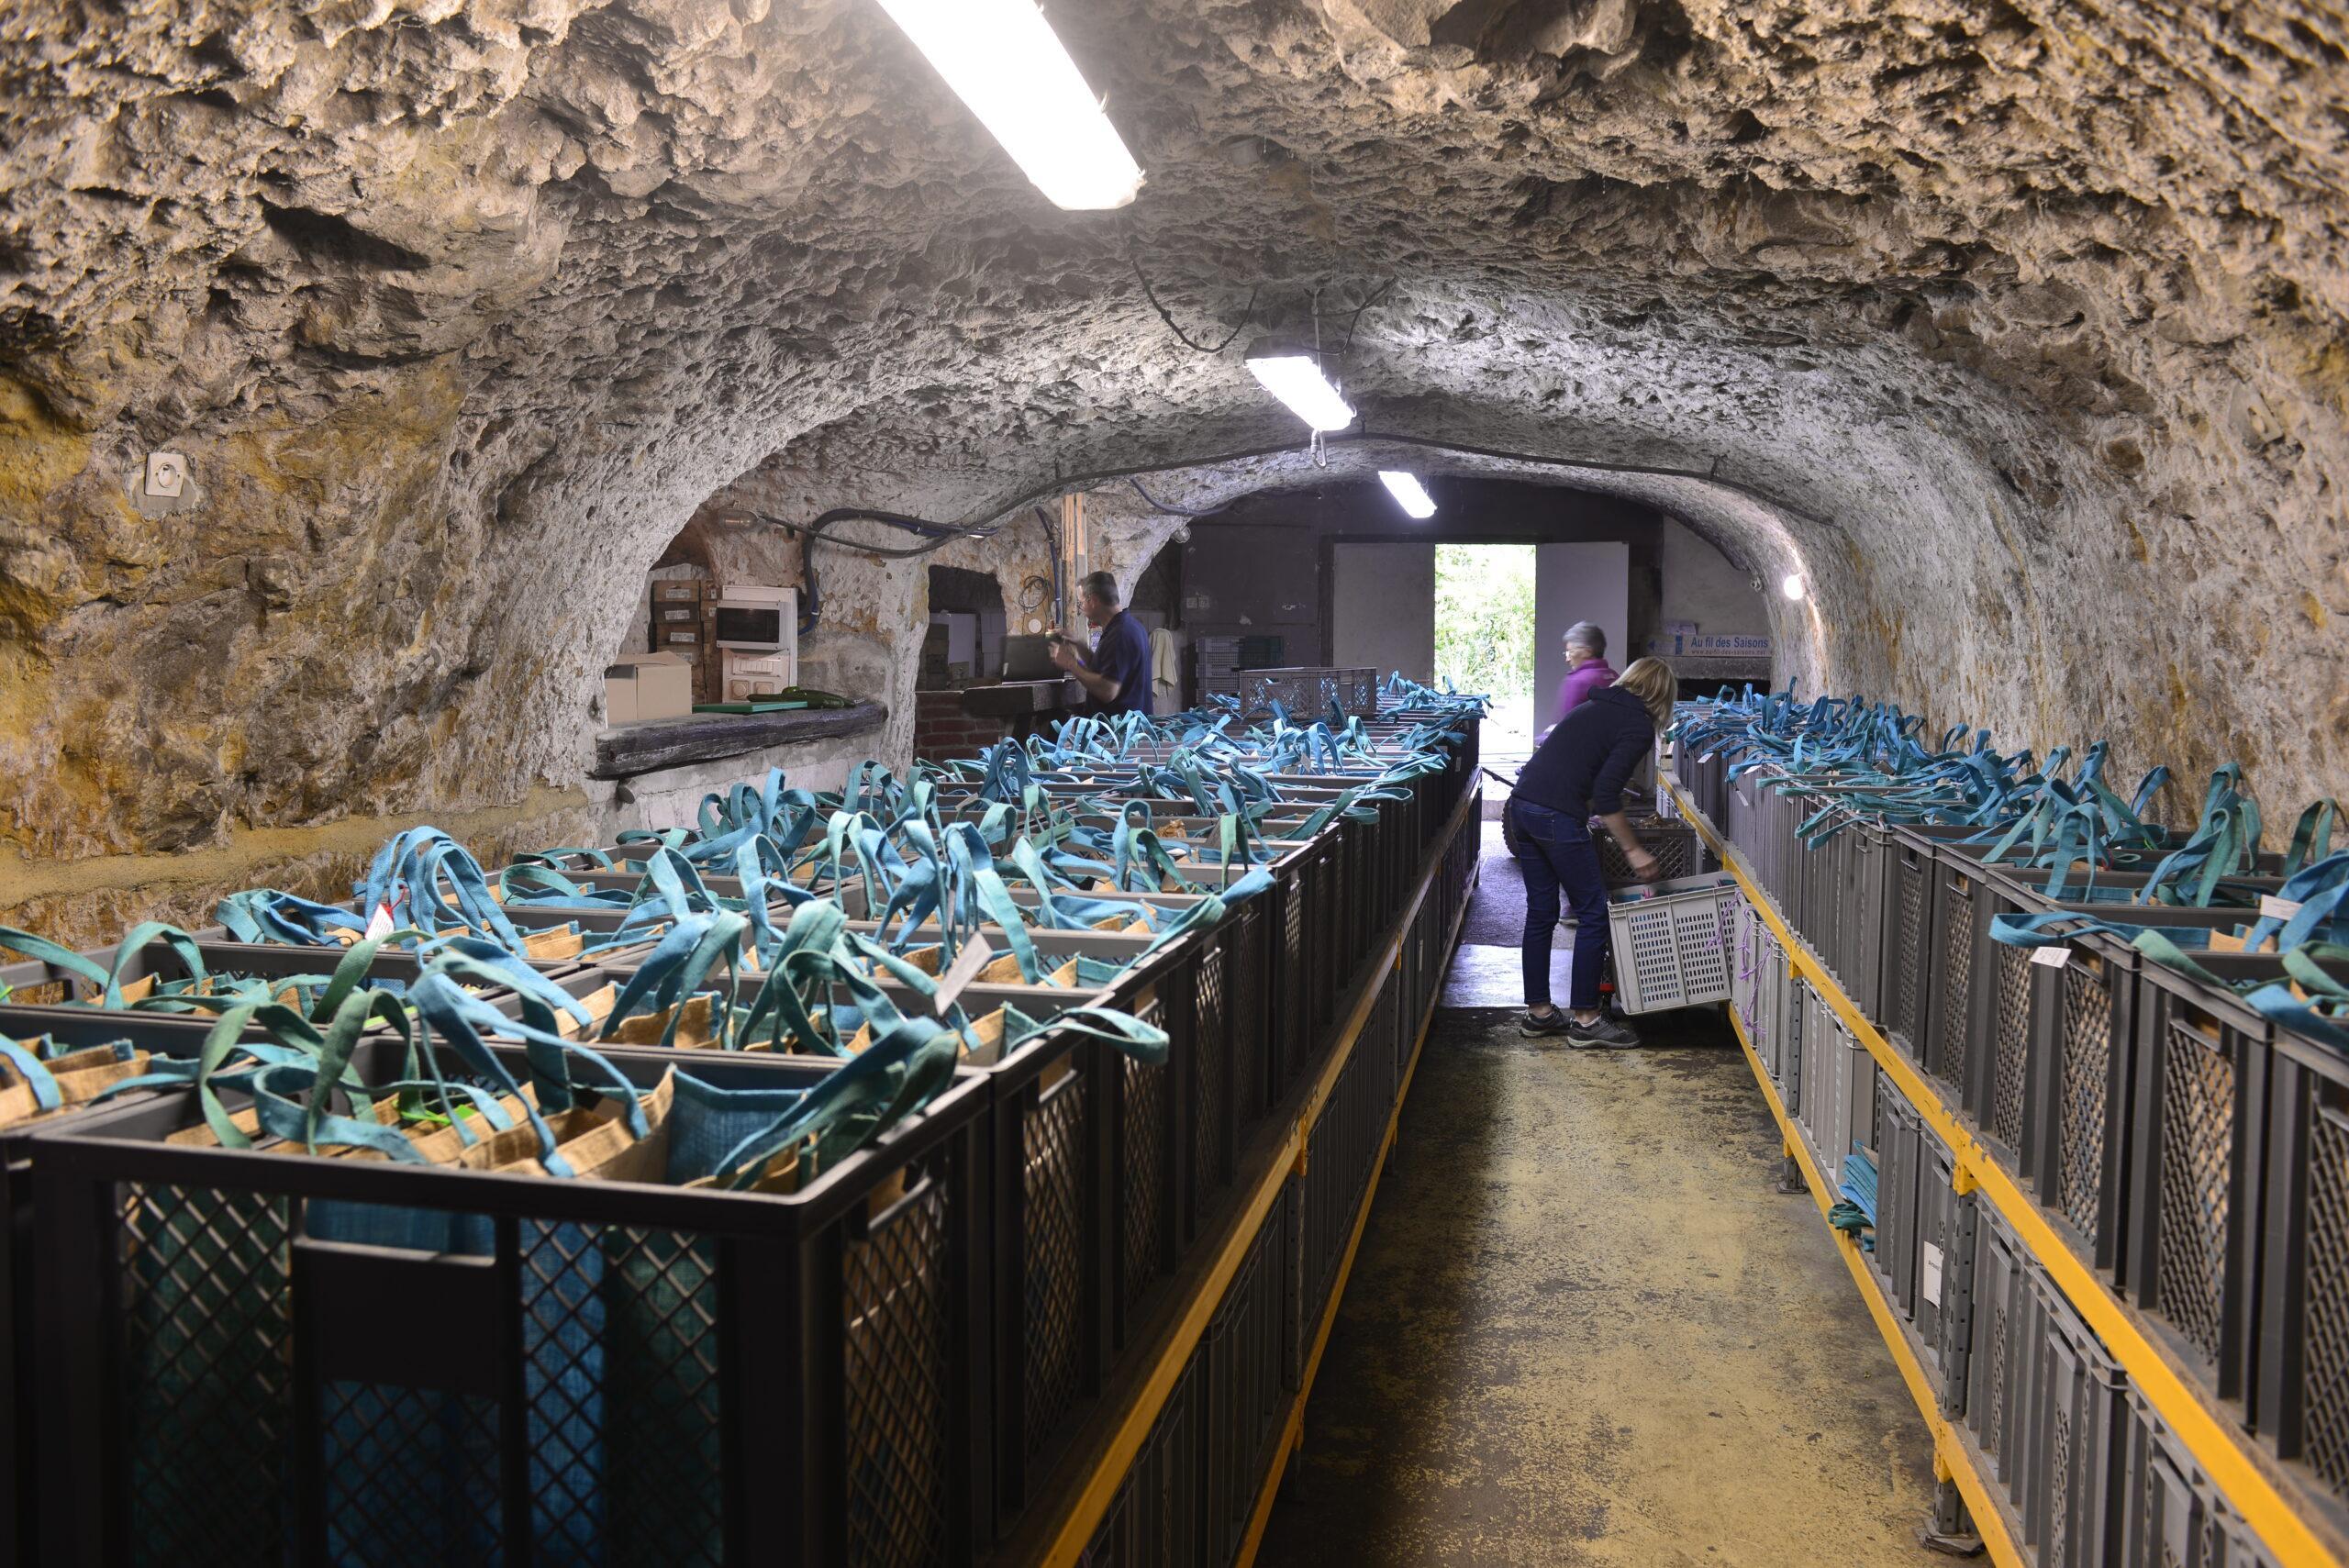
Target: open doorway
1483,635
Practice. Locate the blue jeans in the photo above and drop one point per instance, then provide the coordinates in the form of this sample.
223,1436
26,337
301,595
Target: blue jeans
1555,851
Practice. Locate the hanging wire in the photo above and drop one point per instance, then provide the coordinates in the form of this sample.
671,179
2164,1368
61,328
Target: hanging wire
1134,261
1355,320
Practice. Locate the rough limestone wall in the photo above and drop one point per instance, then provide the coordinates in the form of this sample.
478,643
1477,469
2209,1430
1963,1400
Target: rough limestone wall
2017,327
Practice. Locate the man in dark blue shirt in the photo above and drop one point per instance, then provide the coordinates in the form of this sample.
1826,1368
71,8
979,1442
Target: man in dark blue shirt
1116,676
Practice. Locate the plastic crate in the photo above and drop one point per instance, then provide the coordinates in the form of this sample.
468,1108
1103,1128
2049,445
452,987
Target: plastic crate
2300,1396
2079,1414
2002,1358
1924,1240
1243,1358
2188,1255
1793,1014
659,1375
1154,1520
2171,1516
1671,942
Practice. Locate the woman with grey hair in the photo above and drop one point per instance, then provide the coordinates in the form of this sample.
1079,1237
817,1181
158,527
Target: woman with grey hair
1586,667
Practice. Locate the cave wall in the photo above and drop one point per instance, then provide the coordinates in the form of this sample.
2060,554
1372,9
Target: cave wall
2016,328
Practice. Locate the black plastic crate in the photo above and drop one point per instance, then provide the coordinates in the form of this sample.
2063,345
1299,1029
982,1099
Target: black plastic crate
1244,1367
1155,1519
2301,1396
663,1375
20,1256
2198,1111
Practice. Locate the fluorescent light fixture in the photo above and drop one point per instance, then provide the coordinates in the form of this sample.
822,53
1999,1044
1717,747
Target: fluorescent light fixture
1296,380
1792,587
1408,492
1006,64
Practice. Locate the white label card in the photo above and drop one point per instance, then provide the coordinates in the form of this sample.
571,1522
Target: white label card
1931,1257
976,955
379,924
2053,957
1703,759
2273,908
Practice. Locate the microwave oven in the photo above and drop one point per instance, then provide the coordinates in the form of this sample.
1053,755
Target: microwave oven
760,625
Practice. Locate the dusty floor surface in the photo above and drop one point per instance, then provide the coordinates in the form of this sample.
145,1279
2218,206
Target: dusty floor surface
1585,1328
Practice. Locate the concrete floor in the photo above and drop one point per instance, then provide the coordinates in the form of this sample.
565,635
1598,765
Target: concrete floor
1585,1328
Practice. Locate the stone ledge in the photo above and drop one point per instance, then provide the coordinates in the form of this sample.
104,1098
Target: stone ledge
633,749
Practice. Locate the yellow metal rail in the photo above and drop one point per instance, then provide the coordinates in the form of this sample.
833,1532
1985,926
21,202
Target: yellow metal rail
1110,1464
2224,1452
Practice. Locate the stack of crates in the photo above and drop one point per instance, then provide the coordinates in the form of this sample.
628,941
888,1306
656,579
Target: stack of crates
2186,1146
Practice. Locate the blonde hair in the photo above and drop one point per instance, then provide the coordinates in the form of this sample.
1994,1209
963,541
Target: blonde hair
1651,680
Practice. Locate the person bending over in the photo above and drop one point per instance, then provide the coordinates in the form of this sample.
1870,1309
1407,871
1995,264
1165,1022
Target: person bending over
1117,675
1577,773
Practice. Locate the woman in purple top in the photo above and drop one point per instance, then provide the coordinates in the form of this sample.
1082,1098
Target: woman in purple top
1586,667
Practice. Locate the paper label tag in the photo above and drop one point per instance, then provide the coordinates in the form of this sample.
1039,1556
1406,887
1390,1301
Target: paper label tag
976,955
379,924
2053,957
1703,759
1929,1256
2273,908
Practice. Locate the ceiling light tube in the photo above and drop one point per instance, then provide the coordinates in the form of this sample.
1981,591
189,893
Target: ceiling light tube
1296,380
1006,64
1408,493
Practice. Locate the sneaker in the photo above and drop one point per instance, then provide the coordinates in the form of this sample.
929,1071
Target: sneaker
1535,1025
1607,1031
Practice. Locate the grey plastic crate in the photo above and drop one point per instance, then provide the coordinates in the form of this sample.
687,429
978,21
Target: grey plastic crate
2078,1414
2170,1514
2002,1358
1793,1037
1924,1240
1671,942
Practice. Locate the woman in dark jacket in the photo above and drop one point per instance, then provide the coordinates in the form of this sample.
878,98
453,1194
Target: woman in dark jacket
1579,773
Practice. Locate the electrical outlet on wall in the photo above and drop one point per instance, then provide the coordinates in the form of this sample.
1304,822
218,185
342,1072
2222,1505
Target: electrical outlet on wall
163,483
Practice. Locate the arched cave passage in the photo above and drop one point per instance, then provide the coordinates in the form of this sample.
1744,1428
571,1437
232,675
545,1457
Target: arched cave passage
454,318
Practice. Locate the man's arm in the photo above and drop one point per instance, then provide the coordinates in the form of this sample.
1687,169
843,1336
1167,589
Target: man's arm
1068,654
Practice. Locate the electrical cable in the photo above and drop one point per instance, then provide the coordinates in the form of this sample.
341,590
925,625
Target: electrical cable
945,534
1060,588
1156,504
1163,315
1355,320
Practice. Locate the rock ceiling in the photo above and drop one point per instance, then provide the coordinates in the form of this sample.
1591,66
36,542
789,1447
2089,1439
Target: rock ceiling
2016,326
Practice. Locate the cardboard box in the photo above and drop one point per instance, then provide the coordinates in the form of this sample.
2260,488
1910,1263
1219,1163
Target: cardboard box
677,614
641,686
682,638
682,590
